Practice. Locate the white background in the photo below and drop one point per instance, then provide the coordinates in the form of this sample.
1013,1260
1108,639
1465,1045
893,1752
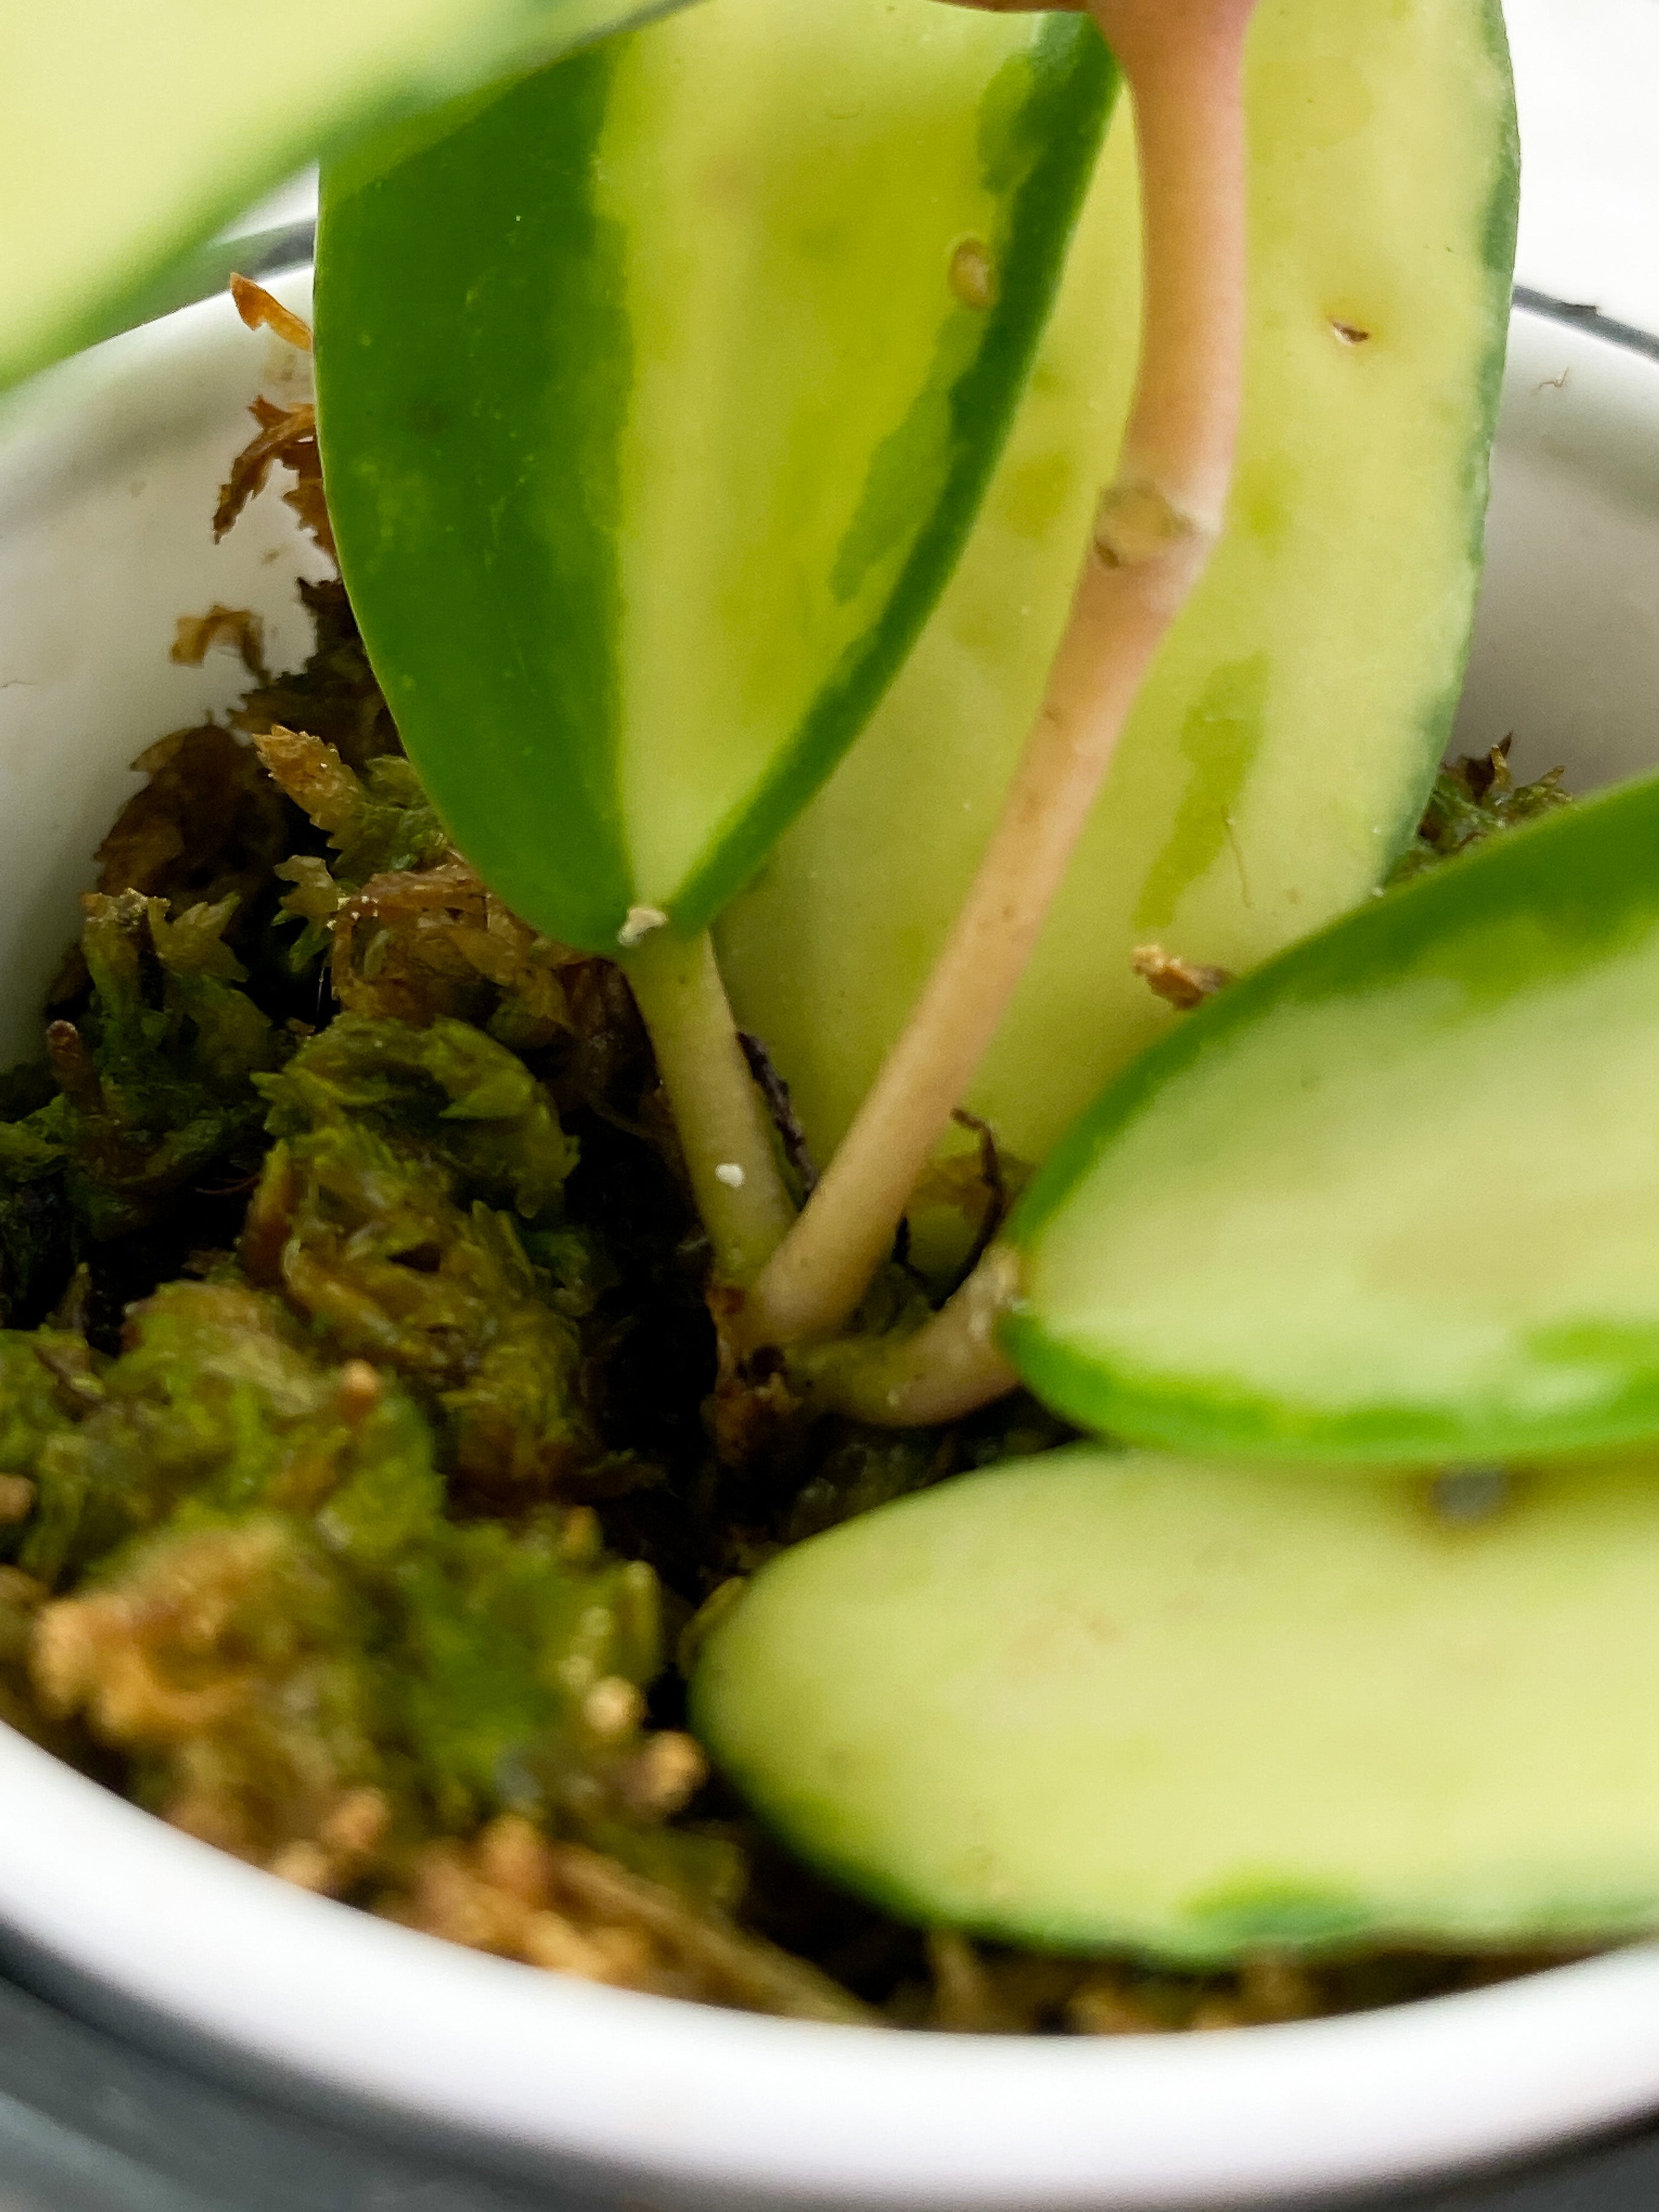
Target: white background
1587,78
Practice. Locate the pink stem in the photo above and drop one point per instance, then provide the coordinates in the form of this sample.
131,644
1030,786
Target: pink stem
1155,526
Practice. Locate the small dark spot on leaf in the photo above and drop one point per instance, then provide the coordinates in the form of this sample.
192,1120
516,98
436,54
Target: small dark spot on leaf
1466,1497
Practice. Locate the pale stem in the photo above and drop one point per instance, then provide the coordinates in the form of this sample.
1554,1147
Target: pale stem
948,1367
1155,525
725,1130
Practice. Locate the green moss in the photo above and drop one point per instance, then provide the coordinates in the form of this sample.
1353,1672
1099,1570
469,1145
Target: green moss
219,1405
389,1216
1474,799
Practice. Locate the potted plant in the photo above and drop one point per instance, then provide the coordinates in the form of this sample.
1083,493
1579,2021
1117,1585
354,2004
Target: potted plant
618,780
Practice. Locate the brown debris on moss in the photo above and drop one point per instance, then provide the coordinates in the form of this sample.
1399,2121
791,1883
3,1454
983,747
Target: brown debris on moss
262,311
334,696
221,1662
287,437
574,1910
239,628
989,1989
414,934
208,824
21,1598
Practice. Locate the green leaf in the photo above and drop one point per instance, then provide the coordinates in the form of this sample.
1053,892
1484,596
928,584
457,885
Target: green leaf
656,398
1199,1713
1395,1196
129,133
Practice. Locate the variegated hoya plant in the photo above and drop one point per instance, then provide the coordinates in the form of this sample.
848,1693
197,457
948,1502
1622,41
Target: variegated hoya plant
893,521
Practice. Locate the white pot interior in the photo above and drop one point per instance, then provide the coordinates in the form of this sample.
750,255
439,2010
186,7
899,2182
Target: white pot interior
107,474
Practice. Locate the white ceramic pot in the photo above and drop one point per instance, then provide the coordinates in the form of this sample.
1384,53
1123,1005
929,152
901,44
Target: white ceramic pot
107,470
